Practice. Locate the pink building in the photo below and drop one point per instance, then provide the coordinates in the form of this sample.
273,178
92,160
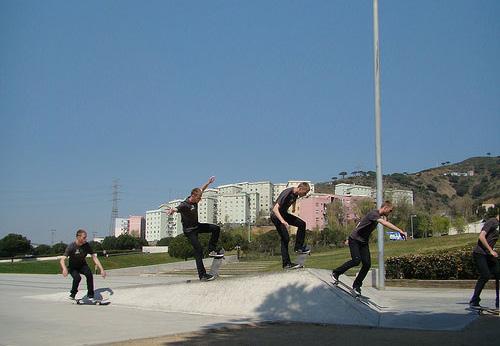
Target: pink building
137,227
313,209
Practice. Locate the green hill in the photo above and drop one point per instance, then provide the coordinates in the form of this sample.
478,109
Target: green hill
442,188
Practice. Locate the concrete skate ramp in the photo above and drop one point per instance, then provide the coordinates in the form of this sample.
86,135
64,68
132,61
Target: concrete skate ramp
296,296
288,296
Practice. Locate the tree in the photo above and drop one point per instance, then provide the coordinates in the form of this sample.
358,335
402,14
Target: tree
421,225
59,248
180,247
362,206
463,207
14,244
96,246
268,242
164,241
343,174
401,214
109,243
127,242
41,250
440,224
459,224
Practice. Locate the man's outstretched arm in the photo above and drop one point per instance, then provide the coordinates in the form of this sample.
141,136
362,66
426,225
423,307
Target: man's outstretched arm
210,181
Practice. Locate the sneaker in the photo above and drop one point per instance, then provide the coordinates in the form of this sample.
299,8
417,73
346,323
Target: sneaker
216,254
357,290
335,276
207,277
291,266
474,305
304,250
72,296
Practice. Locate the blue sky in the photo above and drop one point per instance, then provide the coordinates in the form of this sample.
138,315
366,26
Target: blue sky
163,94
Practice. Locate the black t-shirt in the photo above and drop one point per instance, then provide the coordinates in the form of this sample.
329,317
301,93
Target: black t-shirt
77,254
366,226
286,199
491,229
189,214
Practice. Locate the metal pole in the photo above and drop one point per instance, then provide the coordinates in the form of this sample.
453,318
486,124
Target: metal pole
380,192
411,221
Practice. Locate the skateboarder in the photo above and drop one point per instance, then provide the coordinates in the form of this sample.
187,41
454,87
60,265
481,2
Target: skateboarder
358,243
76,252
485,258
191,228
282,220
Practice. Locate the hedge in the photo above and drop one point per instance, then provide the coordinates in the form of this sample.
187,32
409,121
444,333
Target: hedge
456,265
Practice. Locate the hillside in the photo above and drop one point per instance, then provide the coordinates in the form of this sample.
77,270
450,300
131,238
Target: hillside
435,188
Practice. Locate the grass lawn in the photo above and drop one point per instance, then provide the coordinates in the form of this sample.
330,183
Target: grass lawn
323,260
113,262
334,258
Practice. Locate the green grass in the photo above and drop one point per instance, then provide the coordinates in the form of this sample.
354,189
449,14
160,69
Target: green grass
334,258
113,262
323,260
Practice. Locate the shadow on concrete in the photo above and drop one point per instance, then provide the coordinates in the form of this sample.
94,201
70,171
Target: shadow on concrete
98,293
483,332
295,303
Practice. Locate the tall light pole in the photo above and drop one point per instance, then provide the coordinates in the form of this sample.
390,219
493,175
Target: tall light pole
411,221
378,151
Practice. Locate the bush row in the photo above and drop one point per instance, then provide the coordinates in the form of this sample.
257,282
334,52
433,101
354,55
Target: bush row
455,265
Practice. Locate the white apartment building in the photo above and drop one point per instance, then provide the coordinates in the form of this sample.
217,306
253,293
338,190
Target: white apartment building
265,191
234,208
394,195
121,226
207,209
229,189
174,224
239,203
156,225
353,190
254,206
210,193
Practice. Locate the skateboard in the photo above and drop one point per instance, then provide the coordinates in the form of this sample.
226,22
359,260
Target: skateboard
216,264
484,310
339,284
86,301
214,268
301,259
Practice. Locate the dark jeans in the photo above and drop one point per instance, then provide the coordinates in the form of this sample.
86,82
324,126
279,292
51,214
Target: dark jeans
285,237
360,253
75,274
486,265
192,236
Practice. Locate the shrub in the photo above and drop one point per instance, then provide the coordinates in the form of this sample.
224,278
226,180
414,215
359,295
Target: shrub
454,265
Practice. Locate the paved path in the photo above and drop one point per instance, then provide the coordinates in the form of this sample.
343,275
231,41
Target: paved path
35,309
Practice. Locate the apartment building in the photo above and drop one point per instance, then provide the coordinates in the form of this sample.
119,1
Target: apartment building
137,226
156,225
121,226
